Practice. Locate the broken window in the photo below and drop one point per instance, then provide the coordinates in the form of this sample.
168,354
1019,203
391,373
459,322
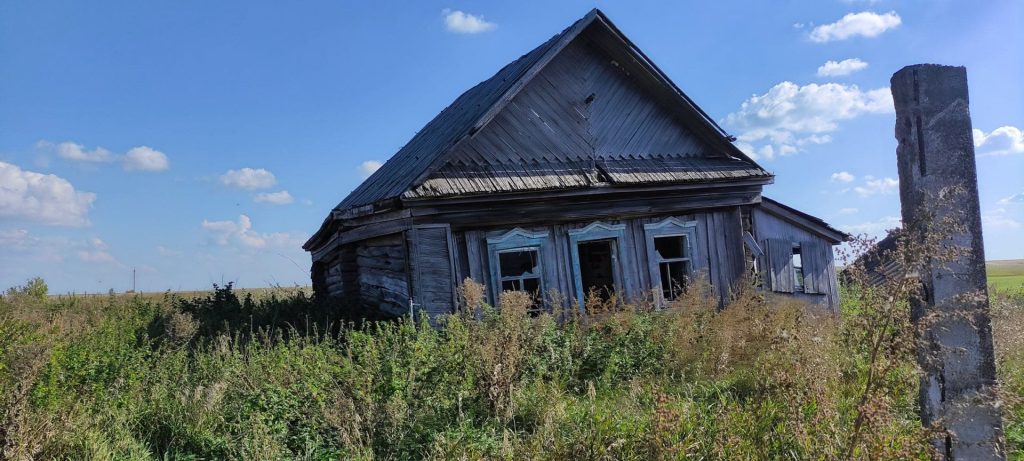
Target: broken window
670,257
673,261
798,269
597,268
519,270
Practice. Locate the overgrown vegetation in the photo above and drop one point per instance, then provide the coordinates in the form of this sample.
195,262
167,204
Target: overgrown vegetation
224,377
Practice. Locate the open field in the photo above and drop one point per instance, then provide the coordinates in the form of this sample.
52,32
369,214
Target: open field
1006,274
282,376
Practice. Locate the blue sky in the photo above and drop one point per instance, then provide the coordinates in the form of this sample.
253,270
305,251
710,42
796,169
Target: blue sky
162,136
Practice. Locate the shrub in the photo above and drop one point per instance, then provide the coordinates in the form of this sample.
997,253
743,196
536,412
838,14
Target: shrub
225,376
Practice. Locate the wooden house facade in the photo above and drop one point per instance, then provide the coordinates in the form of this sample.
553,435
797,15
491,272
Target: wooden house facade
578,168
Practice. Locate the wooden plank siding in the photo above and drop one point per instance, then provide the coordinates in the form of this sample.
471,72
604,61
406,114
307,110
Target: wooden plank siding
581,139
582,120
428,261
768,226
718,253
432,262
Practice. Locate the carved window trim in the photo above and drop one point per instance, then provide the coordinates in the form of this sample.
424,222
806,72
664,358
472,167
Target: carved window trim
600,231
669,227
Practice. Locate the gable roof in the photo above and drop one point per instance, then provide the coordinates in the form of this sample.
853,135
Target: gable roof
419,170
811,223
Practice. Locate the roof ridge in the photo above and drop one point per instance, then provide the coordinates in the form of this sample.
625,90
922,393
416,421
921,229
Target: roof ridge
428,150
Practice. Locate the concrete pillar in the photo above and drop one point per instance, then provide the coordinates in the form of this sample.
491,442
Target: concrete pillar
938,181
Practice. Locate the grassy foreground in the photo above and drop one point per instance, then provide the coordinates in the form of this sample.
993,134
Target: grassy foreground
282,376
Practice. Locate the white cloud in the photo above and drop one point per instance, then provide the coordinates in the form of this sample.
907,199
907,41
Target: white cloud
843,176
1004,140
999,219
790,116
848,211
873,227
844,67
863,24
145,158
248,178
42,198
241,233
465,23
368,167
96,251
20,243
874,186
274,198
140,158
1015,198
15,238
77,152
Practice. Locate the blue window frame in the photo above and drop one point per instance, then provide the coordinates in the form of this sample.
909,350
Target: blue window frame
516,263
670,256
596,232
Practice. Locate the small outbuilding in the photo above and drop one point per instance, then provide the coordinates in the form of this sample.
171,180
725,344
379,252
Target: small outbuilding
581,169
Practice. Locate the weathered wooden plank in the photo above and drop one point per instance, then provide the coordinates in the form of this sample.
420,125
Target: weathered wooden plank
433,281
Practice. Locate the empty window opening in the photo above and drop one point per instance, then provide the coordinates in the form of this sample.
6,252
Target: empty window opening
597,268
520,271
673,264
798,269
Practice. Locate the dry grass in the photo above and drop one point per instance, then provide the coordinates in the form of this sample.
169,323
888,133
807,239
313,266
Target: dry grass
766,378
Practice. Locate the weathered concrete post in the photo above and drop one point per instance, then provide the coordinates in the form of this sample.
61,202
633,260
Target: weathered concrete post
938,180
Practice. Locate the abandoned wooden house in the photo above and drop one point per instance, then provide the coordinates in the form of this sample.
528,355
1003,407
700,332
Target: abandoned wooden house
578,168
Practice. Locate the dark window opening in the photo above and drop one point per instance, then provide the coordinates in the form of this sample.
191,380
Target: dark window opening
597,269
670,247
673,265
798,270
520,271
673,278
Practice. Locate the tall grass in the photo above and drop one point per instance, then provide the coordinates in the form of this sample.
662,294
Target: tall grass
288,377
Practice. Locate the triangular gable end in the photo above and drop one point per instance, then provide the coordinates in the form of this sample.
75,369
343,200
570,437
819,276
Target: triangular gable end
456,153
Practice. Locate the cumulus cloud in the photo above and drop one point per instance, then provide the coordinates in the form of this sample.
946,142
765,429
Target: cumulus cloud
141,158
844,67
874,186
241,233
465,23
78,152
843,176
368,167
274,198
1004,140
789,116
863,24
96,251
43,198
999,219
248,178
145,158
